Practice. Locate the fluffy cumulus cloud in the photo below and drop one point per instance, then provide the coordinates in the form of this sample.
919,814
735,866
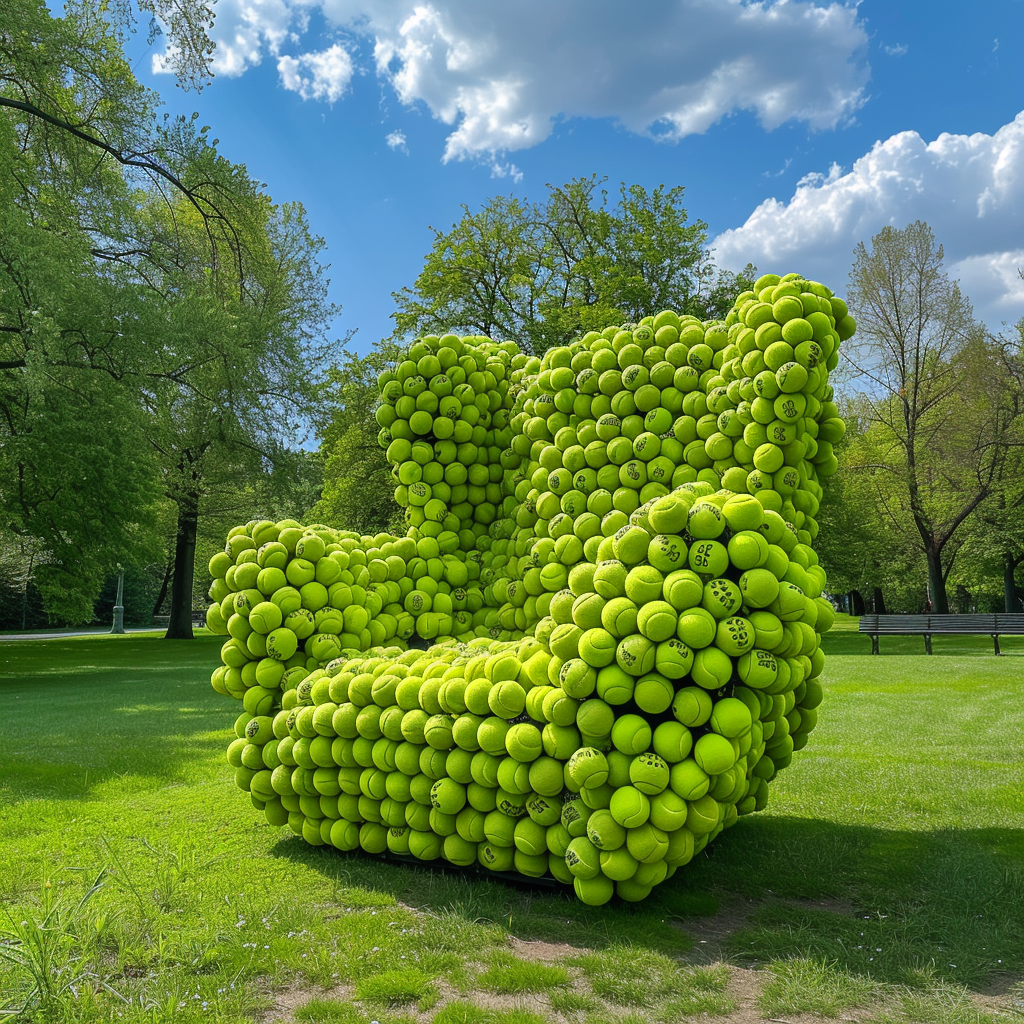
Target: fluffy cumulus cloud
317,76
969,188
502,75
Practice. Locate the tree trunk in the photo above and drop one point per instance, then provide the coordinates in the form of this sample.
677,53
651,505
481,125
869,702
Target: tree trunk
878,601
1009,584
161,597
936,582
179,627
856,603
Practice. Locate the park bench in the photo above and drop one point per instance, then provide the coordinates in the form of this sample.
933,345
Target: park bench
993,624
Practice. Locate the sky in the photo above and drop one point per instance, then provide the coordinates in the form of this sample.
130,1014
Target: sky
798,128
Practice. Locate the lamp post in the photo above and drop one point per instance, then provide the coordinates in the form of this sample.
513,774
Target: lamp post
118,626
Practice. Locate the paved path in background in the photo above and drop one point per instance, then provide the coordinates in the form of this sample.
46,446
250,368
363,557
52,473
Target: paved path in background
79,632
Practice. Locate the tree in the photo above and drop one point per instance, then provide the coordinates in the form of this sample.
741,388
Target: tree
940,399
161,319
541,274
359,492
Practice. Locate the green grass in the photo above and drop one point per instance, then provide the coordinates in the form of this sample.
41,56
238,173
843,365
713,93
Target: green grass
888,872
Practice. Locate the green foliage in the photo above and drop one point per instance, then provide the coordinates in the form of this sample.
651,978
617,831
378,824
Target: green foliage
541,274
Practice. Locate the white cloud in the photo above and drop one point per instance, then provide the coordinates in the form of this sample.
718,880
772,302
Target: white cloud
317,76
396,140
502,75
969,188
897,50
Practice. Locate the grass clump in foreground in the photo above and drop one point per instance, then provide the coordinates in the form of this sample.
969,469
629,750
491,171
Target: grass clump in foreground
136,885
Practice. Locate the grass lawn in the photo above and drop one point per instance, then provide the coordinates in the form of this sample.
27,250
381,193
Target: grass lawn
885,883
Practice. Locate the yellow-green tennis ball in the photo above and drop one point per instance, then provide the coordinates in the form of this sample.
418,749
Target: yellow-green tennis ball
702,816
734,636
507,699
265,617
610,578
575,815
595,717
672,741
688,780
587,767
559,707
644,583
705,521
631,890
743,512
635,655
683,589
448,796
459,851
258,700
523,742
712,668
730,717
649,773
747,549
597,796
614,686
544,808
577,679
619,617
722,598
708,557
668,811
282,643
586,611
629,807
496,858
618,864
631,544
657,620
595,892
714,753
768,630
597,647
546,778
653,693
583,858
269,672
696,628
604,831
475,695
530,838
669,513
491,735
631,734
647,843
437,730
692,706
667,552
758,669
499,828
673,659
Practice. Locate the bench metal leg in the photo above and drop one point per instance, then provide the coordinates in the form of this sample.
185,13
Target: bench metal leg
927,643
995,642
874,643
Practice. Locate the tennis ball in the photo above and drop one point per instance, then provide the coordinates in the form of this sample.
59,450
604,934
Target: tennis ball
644,583
672,741
670,512
265,617
629,807
714,753
708,557
667,552
614,686
597,647
604,832
768,631
619,617
587,609
595,717
747,549
758,588
653,693
647,843
730,717
448,796
722,598
649,773
583,858
618,864
594,891
743,512
631,544
610,579
712,668
688,780
587,767
577,680
705,521
734,636
758,669
696,628
656,620
507,699
702,816
437,730
692,706
631,734
668,811
523,742
491,736
282,643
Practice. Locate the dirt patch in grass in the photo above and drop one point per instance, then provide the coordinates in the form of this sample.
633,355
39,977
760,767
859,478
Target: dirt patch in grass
544,952
709,934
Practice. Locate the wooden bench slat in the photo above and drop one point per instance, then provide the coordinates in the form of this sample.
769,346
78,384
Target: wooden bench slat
994,624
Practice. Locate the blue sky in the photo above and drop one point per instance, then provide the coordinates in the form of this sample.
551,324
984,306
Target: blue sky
797,128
